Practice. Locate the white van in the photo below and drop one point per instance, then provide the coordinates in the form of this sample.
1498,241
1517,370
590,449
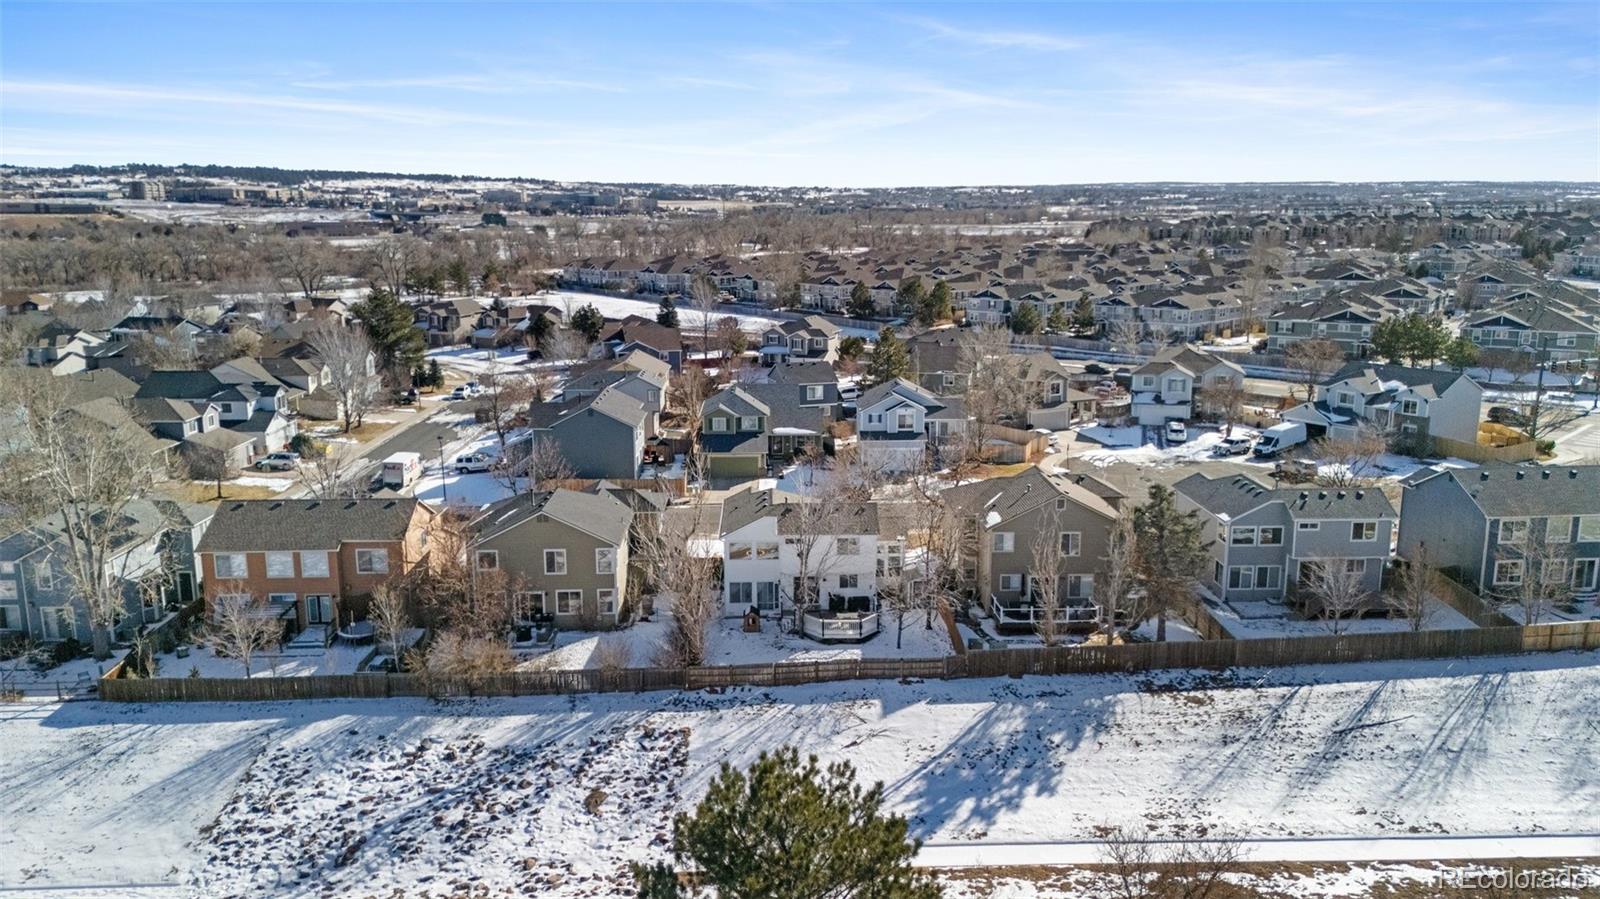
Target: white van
400,469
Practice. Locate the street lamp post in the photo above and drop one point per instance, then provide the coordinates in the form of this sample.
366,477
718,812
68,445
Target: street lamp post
443,484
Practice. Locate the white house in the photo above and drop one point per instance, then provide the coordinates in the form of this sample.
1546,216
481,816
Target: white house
1164,389
896,420
766,533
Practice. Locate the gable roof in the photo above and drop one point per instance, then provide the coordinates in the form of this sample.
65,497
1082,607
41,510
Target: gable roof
1503,490
1230,496
291,524
598,514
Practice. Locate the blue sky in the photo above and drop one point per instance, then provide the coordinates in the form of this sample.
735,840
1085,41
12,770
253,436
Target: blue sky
825,94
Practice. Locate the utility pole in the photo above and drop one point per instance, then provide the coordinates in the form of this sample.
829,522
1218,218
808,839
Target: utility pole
443,483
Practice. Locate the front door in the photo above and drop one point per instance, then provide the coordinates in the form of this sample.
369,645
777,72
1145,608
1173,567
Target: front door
319,608
55,623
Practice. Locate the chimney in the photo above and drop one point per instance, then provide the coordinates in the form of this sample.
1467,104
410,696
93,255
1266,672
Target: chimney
1572,473
1544,474
1358,494
1483,476
1519,474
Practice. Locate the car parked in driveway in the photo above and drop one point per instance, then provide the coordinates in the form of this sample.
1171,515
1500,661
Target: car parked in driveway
278,462
472,462
1176,432
1232,446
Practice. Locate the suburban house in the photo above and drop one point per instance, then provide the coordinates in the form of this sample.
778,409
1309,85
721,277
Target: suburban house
745,428
254,409
936,361
314,561
636,334
1053,402
1490,526
449,322
896,420
564,552
1165,388
812,337
815,381
38,599
1411,403
765,533
1346,319
600,434
639,375
1009,515
1263,541
62,349
1537,326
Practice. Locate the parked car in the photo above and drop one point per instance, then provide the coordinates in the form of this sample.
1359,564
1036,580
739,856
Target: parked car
1233,446
1505,415
278,462
1295,471
407,397
1095,368
470,462
1176,432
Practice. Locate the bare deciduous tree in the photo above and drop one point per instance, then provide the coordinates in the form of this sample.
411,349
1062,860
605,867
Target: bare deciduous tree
333,474
1412,594
1046,559
1544,580
674,569
241,623
81,475
1313,361
996,386
1350,460
390,619
1116,588
307,261
505,398
1336,590
347,354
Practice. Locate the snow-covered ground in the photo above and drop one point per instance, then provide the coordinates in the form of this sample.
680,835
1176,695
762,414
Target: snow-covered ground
276,485
1127,445
339,658
1265,620
688,318
552,796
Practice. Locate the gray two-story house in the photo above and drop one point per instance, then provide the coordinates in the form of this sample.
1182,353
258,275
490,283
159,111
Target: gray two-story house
565,552
1411,403
601,434
1265,541
1006,516
745,428
1480,522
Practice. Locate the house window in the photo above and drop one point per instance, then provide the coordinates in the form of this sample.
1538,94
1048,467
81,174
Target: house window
1513,530
849,581
607,601
740,593
767,596
488,560
1241,578
905,420
813,392
1508,573
1553,571
1363,531
1558,529
1270,536
1410,407
719,425
848,546
1589,529
229,564
372,561
525,605
1268,577
948,380
1004,541
282,598
1071,543
280,564
569,602
1061,505
313,564
1242,536
9,619
1010,582
749,423
605,560
8,568
1217,574
555,561
8,589
1309,526
1080,586
1355,566
767,551
738,552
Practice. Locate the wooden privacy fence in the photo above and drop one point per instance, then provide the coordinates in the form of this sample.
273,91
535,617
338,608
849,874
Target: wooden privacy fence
1477,452
976,663
1458,596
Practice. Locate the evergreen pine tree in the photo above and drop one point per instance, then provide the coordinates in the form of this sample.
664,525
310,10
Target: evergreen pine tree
860,305
1172,553
1025,319
909,297
890,359
435,374
589,322
667,315
1057,322
1083,314
791,830
389,323
937,306
1461,354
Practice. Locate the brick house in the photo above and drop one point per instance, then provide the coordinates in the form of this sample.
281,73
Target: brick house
316,561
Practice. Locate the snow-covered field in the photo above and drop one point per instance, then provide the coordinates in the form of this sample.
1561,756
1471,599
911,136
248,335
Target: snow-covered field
688,318
552,796
1265,620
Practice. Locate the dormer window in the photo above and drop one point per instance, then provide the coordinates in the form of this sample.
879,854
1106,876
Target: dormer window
749,423
719,425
